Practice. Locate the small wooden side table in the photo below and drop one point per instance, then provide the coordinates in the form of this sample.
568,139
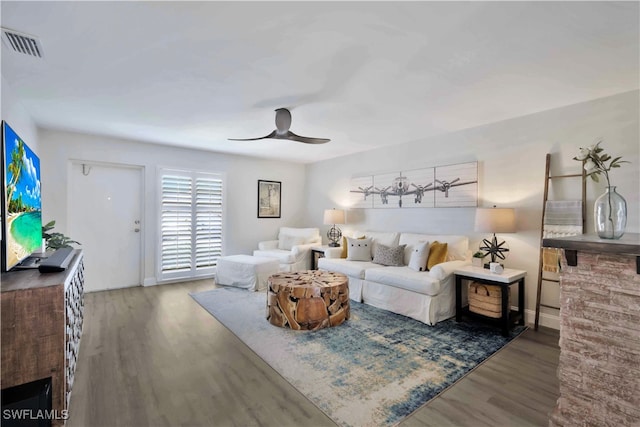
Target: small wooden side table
507,278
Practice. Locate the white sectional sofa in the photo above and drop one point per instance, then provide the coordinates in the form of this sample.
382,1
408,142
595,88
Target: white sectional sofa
292,249
427,296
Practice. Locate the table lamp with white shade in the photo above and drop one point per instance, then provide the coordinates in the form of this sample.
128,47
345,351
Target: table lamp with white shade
495,220
333,217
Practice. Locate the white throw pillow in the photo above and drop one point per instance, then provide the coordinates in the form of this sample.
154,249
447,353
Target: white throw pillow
358,249
382,237
419,255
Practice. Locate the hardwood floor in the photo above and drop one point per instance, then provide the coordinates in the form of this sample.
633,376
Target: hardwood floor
153,357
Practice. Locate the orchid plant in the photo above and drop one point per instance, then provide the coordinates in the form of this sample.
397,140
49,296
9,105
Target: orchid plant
595,161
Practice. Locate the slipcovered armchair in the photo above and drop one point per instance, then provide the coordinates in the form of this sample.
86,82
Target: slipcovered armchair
292,249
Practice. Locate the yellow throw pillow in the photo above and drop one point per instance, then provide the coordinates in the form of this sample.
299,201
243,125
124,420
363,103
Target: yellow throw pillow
437,254
343,254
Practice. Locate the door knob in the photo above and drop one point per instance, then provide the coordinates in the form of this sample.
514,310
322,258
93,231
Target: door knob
137,230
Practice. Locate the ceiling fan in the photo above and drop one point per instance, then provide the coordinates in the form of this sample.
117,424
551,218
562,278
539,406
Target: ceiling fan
283,122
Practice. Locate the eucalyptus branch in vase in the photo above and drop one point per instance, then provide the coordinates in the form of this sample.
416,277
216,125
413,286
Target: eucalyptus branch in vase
597,162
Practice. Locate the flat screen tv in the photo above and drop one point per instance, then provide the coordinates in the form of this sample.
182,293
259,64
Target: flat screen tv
21,200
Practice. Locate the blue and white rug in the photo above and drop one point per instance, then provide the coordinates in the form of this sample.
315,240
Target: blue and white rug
373,370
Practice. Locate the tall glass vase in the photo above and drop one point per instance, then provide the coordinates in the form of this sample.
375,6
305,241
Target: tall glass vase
610,214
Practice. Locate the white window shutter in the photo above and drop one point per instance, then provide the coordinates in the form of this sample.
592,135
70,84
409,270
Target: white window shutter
190,222
208,219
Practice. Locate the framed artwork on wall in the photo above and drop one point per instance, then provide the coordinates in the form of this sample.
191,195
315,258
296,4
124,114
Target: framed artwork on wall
269,198
359,192
439,187
414,186
457,185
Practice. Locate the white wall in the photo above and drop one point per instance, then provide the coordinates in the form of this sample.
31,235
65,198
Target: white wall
511,163
14,113
243,228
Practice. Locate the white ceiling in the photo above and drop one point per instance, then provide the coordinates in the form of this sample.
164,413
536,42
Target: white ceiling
365,74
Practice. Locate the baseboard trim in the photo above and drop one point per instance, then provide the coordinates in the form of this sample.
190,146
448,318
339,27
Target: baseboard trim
546,320
149,281
152,281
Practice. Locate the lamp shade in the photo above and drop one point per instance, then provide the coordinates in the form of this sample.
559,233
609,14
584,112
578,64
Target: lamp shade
334,216
495,220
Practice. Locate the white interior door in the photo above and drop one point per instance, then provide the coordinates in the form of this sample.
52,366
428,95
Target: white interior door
105,216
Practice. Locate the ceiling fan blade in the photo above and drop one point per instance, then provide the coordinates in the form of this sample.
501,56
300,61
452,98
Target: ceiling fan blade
271,135
307,140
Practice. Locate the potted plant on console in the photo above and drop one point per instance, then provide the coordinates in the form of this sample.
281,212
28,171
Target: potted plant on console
55,240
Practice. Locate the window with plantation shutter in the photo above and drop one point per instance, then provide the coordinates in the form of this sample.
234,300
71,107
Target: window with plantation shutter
191,218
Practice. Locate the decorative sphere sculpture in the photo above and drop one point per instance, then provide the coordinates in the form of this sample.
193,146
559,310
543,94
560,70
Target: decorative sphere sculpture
334,234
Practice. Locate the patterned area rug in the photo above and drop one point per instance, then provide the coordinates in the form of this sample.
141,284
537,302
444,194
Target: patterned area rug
373,370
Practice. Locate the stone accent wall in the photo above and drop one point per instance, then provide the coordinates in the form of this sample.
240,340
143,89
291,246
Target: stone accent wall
599,368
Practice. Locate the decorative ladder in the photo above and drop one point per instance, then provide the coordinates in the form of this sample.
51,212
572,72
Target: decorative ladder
547,179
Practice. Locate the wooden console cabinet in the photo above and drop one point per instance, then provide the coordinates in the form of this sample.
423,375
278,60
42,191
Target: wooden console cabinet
41,328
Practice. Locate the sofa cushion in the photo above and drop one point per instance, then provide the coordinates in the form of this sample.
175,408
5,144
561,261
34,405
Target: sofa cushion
308,234
354,269
358,249
457,245
283,257
382,237
419,255
404,278
389,255
286,242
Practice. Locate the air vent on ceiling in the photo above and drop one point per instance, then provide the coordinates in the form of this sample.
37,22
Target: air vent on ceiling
22,43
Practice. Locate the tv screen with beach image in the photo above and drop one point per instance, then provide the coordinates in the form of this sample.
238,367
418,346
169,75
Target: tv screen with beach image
22,203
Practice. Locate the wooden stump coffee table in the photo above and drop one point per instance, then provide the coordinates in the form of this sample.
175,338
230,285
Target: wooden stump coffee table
308,300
